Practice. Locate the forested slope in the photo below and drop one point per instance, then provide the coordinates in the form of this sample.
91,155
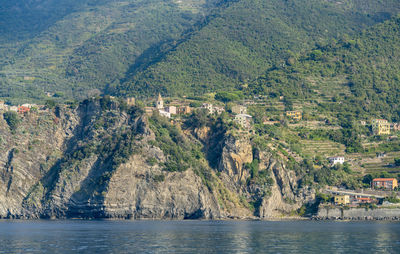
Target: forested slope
74,48
247,37
361,74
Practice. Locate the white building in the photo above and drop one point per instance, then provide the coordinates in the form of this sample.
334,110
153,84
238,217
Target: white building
213,109
164,113
13,108
218,110
336,160
28,105
244,120
209,107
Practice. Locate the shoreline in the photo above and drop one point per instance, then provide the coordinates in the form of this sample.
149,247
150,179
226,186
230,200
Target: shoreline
278,219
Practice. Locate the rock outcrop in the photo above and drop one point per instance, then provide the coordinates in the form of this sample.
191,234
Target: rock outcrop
236,152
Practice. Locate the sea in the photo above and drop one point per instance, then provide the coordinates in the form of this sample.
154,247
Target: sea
105,236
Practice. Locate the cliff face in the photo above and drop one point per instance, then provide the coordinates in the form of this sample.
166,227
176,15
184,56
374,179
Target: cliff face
27,154
274,194
98,161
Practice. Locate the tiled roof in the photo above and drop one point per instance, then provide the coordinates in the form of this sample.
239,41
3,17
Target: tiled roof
383,179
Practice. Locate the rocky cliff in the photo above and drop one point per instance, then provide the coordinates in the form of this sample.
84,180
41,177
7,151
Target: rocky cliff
103,160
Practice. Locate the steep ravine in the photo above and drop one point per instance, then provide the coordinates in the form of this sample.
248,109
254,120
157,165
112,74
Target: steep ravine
101,160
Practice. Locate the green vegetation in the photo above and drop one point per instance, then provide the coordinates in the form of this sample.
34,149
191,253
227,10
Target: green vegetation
12,120
75,49
181,153
353,73
104,140
242,39
392,198
228,96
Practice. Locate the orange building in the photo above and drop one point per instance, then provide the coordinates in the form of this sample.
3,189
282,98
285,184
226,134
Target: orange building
23,109
364,200
385,183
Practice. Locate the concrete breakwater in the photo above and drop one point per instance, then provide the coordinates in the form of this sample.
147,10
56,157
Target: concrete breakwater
359,213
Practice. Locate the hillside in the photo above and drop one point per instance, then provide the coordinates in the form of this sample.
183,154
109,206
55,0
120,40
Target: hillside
357,76
72,49
243,40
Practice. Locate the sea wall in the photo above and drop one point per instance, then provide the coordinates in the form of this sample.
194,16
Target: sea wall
358,213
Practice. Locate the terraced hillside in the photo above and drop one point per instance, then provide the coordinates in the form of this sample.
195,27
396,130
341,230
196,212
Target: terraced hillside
78,48
248,37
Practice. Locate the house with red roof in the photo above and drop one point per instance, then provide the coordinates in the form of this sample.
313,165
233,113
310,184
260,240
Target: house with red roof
384,183
23,109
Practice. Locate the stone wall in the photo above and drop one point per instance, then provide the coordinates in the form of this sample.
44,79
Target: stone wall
358,213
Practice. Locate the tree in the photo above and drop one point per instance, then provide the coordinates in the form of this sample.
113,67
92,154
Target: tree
50,104
12,119
198,119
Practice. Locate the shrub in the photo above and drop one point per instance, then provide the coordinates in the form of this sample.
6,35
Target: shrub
12,119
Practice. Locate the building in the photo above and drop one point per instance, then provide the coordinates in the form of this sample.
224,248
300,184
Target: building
13,108
267,121
160,102
208,107
218,110
377,121
184,110
3,106
239,109
212,109
243,120
27,105
336,160
395,126
380,155
342,199
171,109
23,109
164,113
295,115
380,127
385,183
130,101
364,200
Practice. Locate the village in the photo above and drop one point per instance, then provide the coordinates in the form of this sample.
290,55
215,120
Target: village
380,192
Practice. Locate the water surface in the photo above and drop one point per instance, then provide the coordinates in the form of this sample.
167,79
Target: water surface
102,237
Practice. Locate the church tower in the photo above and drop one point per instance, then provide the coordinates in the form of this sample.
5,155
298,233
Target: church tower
160,102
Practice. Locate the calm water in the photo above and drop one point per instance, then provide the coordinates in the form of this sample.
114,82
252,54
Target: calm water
198,237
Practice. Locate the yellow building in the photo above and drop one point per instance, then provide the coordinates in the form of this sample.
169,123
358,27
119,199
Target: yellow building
342,199
130,101
295,115
380,127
